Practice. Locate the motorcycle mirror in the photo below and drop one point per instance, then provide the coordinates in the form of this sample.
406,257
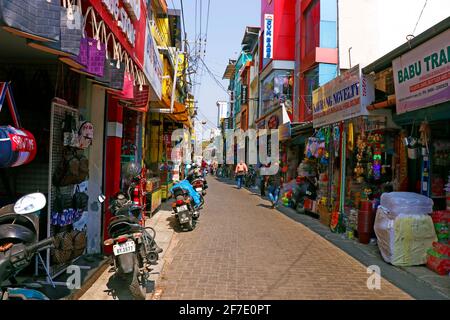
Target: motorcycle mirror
30,203
101,198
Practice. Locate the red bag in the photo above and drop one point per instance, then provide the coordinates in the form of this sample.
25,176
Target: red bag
17,145
141,93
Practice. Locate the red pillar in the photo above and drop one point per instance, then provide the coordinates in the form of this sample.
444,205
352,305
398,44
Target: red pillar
112,163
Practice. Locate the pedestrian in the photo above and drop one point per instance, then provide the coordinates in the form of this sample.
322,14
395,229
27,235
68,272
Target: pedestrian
264,179
241,170
275,183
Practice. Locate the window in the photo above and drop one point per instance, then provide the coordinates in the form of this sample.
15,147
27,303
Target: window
311,28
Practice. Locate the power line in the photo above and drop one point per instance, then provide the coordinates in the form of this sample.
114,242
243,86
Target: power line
214,77
417,23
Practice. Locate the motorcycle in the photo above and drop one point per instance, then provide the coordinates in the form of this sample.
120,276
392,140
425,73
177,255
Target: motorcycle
18,245
304,190
198,182
184,206
134,248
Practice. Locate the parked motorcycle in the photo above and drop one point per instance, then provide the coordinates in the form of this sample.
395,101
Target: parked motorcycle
18,245
185,207
134,247
306,189
197,181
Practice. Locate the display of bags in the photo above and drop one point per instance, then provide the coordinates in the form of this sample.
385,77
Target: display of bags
73,169
17,145
63,250
33,19
69,245
70,31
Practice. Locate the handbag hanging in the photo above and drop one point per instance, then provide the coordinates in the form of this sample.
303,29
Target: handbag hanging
141,92
127,92
96,50
71,24
17,145
117,68
108,64
32,19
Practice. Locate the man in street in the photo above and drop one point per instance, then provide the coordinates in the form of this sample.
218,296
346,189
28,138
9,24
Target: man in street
275,184
241,170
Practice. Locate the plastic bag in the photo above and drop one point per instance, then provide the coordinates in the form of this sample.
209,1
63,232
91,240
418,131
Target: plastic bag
399,203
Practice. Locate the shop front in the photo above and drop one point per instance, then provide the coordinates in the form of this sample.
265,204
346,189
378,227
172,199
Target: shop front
352,153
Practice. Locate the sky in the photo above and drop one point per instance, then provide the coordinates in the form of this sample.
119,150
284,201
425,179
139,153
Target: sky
226,27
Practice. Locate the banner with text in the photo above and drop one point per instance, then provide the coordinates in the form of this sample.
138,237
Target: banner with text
343,98
422,76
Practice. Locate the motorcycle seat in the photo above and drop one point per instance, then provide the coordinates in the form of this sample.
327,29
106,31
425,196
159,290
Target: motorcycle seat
122,225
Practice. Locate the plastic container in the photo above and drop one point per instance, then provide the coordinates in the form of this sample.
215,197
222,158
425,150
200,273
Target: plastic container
366,218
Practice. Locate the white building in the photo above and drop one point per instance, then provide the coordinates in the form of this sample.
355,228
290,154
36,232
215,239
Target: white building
372,28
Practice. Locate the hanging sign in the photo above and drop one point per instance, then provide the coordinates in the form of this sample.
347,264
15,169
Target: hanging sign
153,67
268,36
422,76
344,97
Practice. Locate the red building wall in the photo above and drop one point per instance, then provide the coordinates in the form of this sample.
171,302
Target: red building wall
284,28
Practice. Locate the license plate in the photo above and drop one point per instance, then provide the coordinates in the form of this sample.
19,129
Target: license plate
199,189
182,208
123,248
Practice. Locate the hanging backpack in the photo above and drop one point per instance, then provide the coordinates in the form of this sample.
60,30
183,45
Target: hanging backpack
73,169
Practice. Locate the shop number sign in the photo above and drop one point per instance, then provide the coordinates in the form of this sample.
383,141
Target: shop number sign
121,16
268,36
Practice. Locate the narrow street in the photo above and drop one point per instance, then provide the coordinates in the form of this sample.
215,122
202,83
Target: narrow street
242,249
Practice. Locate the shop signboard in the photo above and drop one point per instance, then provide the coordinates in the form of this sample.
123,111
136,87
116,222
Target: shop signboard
126,22
422,76
268,36
153,66
344,97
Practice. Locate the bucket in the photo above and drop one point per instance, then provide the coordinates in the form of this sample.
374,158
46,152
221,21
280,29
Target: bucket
412,153
366,219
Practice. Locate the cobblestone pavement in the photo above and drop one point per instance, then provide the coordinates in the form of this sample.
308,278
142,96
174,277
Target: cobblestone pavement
242,249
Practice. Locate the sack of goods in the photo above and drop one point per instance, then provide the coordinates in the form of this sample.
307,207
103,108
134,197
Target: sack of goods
404,228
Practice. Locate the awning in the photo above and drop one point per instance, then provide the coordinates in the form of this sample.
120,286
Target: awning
180,112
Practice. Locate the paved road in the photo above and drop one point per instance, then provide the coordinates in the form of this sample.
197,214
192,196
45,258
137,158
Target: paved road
241,249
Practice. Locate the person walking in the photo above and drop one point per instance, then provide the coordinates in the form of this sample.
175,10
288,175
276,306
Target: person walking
275,183
241,170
